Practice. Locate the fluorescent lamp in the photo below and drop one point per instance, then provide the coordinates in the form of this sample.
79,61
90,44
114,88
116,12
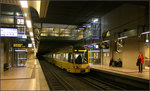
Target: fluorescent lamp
91,57
62,29
95,38
90,46
20,50
89,26
17,14
95,20
29,23
105,41
21,58
94,51
50,28
24,4
25,14
29,45
123,37
96,46
66,32
147,40
32,39
84,26
81,28
146,32
31,33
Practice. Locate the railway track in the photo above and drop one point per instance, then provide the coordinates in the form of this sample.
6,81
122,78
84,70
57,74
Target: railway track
98,84
55,81
108,86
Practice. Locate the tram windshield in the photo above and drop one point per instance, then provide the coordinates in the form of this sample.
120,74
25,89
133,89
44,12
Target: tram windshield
81,57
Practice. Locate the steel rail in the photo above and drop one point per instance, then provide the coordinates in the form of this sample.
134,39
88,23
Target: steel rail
55,81
109,84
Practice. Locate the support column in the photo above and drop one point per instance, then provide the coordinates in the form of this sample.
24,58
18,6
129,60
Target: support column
1,56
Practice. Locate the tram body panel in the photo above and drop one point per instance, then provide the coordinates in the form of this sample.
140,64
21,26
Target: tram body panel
73,61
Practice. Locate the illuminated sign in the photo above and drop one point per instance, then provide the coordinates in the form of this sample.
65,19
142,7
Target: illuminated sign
30,45
79,50
24,36
107,34
19,45
8,32
96,47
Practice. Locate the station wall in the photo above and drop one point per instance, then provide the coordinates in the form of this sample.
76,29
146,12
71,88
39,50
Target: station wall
132,47
129,17
126,16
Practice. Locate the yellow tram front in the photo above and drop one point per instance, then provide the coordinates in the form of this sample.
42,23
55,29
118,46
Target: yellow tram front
81,61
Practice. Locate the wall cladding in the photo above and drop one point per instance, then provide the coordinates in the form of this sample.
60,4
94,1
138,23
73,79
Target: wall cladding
126,16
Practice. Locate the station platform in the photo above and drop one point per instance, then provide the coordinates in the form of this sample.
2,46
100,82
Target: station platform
30,77
124,71
130,79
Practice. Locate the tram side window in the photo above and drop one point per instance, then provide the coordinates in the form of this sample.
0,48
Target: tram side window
61,57
58,56
66,57
70,58
54,56
49,56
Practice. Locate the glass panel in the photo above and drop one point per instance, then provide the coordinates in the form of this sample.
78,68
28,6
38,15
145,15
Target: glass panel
7,20
81,57
70,58
66,56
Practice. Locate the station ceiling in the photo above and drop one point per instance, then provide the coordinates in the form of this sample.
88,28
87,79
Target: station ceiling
69,13
77,12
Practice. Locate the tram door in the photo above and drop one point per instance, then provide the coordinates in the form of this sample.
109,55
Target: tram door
20,59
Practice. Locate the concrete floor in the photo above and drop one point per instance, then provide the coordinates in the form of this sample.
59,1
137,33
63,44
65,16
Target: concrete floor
30,77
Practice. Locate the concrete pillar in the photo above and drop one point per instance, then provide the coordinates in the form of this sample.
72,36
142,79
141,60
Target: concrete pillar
1,56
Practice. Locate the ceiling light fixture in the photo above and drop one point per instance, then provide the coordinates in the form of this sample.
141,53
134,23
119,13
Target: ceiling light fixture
29,23
31,33
32,39
123,37
24,4
146,32
95,20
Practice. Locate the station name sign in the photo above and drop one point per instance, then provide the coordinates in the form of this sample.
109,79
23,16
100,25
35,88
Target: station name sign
19,45
8,32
